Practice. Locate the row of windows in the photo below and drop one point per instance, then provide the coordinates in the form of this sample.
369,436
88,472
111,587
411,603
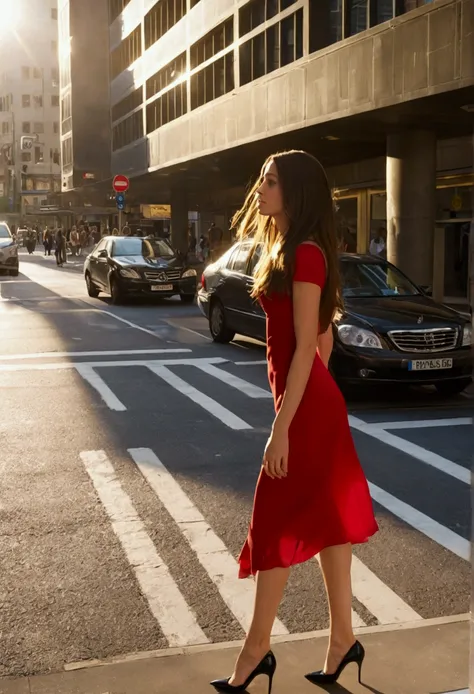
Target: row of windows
67,152
37,101
127,131
126,53
28,129
166,108
166,76
116,7
131,102
257,12
213,81
28,72
39,156
162,16
280,45
213,42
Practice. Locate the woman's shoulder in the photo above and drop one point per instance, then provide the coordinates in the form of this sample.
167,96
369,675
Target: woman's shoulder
310,250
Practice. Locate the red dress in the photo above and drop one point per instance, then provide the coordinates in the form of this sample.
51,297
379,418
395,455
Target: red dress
325,499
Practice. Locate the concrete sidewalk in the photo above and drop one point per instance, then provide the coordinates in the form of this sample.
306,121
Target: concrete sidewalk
405,659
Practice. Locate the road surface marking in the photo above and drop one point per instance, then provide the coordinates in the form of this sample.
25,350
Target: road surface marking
104,353
235,382
188,330
166,602
447,466
424,524
110,399
220,565
207,403
422,423
378,598
123,320
59,366
250,363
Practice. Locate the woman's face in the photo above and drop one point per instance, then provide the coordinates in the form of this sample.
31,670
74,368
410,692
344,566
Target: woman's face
269,194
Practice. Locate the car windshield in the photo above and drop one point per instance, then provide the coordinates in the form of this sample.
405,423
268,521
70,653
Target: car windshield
370,280
148,248
4,233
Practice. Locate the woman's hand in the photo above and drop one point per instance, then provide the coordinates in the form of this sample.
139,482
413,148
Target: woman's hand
275,457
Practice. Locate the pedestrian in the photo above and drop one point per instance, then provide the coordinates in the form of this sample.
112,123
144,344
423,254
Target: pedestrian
60,250
74,241
47,241
312,497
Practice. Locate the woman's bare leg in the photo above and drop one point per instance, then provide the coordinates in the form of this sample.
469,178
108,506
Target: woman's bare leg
336,567
269,592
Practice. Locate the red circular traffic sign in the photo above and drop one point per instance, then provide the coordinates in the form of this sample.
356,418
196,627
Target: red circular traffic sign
121,183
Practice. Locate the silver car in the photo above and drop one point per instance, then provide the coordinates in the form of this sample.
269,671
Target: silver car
8,251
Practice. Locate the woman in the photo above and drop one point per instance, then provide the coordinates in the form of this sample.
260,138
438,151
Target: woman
312,496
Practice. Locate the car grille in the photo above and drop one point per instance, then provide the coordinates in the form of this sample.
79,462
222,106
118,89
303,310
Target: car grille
162,275
435,340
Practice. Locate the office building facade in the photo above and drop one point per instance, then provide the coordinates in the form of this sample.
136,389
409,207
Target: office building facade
29,108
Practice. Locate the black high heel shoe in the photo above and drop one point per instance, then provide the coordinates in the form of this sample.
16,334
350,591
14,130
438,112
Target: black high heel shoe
355,654
266,666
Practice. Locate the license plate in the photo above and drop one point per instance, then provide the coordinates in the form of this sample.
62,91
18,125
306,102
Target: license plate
161,287
430,364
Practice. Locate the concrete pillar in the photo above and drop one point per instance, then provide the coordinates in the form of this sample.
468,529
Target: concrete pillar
179,220
411,202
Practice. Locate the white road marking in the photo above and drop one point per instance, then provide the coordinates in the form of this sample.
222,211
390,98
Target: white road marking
422,424
424,524
110,399
433,459
222,568
166,602
250,363
58,366
207,403
378,598
104,353
235,382
189,330
123,320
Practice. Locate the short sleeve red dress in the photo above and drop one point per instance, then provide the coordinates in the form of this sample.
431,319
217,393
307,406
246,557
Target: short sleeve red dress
325,499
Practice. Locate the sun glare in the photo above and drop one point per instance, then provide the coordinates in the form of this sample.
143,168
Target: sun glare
9,15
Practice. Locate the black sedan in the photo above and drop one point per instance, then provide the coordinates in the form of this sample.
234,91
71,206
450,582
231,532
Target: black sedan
390,330
130,265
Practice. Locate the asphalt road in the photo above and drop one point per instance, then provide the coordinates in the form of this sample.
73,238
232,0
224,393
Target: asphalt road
130,445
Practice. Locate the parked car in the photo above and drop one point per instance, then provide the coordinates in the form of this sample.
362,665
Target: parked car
8,251
130,265
389,332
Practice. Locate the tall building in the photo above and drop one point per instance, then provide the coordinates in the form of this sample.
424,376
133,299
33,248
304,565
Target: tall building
29,107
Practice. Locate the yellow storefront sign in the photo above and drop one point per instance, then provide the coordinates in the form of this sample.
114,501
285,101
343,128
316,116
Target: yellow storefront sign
156,211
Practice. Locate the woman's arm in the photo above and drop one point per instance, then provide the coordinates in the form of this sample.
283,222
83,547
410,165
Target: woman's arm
325,345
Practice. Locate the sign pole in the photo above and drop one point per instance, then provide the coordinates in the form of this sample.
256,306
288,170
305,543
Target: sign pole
120,221
120,185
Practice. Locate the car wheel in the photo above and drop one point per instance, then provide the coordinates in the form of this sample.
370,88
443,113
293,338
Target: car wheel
116,293
187,298
91,288
448,388
217,325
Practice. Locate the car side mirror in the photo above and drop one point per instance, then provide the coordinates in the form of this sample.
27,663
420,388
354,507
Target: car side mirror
103,253
427,290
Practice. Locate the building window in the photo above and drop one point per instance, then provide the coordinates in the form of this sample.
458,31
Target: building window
381,11
193,3
126,53
5,128
257,12
130,103
166,76
66,107
26,128
39,158
127,131
325,23
56,127
54,13
116,7
26,101
161,18
25,73
55,76
402,6
54,100
26,156
279,45
37,73
67,152
213,81
38,128
38,101
169,106
357,16
214,42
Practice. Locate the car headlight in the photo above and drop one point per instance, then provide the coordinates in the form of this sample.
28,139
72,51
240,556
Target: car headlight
130,273
467,335
189,273
358,337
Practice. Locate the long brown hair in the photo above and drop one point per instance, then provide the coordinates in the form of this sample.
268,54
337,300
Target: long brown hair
309,208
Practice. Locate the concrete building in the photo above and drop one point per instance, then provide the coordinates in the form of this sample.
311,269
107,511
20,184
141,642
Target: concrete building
29,107
382,91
